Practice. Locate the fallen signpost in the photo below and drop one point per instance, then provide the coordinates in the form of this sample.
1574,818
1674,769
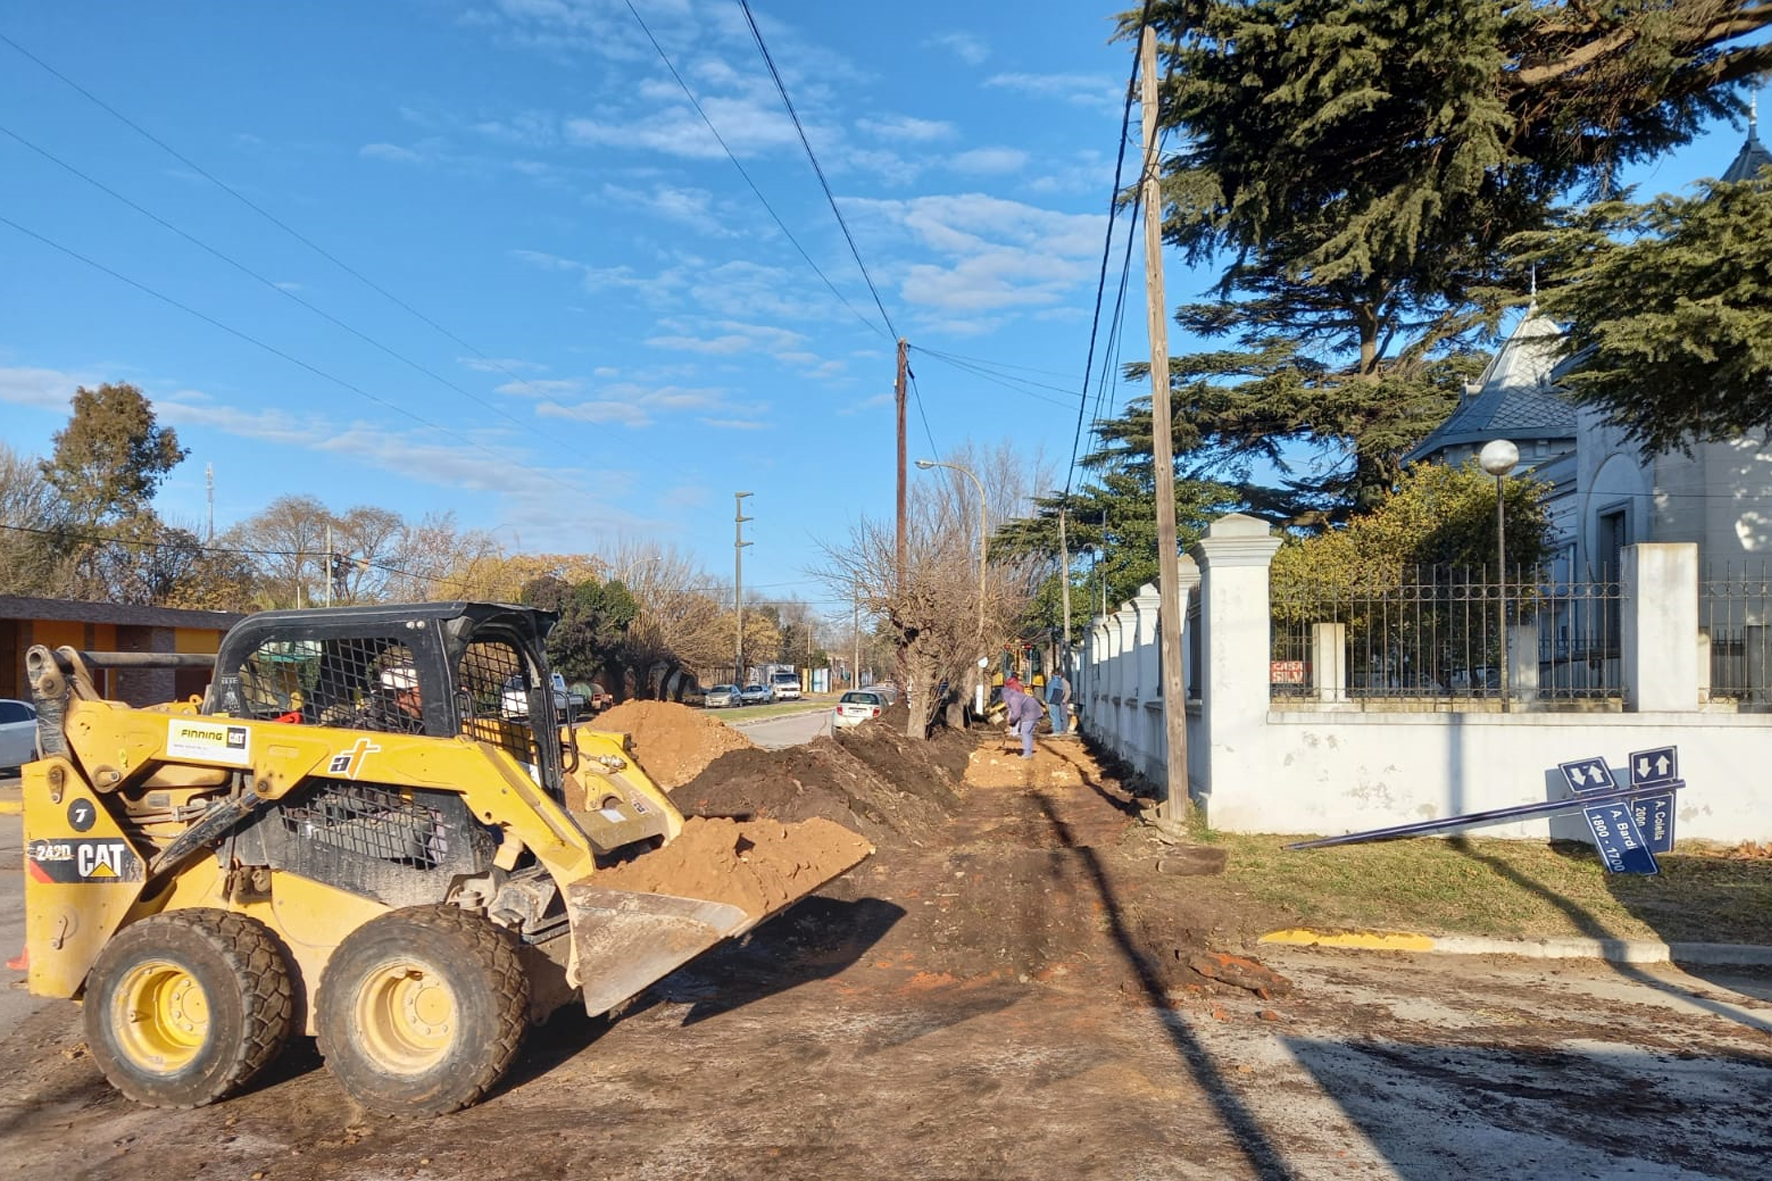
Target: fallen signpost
1630,824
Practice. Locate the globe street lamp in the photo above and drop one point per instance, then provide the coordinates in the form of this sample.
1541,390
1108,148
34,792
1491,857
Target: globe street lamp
1498,458
983,540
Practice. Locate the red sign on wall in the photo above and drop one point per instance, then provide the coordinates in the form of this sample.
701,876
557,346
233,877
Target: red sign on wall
1287,672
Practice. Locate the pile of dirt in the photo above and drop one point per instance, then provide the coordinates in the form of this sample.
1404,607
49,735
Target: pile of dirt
672,743
929,769
822,778
757,866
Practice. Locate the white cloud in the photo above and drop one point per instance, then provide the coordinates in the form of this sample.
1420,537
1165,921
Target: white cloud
964,46
542,387
1084,90
989,160
733,424
633,404
994,254
866,404
44,389
906,128
392,152
500,365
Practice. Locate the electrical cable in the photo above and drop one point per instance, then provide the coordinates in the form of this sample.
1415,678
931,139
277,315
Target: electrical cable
781,88
273,286
259,209
257,343
696,103
1106,252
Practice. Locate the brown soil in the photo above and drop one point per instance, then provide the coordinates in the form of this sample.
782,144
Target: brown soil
758,866
1025,994
671,742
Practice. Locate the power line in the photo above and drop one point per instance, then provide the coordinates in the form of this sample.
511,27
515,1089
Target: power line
253,340
917,394
781,88
1106,250
258,209
273,286
694,102
1019,385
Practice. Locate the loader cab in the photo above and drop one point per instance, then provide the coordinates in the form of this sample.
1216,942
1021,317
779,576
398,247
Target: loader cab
436,669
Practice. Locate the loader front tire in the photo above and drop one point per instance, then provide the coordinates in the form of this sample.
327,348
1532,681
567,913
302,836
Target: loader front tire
184,1008
421,1010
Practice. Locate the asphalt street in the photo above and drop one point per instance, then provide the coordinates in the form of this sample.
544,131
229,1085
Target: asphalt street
791,730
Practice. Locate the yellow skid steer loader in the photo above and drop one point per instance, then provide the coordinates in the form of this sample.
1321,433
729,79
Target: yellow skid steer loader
375,829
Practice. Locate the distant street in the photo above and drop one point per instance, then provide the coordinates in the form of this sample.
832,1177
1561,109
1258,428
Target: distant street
792,730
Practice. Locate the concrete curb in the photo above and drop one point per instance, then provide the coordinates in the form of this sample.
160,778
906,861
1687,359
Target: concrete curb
1617,951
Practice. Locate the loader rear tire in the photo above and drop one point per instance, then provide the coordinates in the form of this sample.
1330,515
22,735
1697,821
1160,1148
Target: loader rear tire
421,1010
184,1008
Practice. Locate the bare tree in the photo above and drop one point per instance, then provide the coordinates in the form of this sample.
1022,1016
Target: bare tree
948,616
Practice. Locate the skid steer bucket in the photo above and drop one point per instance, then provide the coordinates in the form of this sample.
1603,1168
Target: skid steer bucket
626,940
638,923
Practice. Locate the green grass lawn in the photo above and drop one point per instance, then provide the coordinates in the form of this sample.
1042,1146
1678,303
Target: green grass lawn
1506,889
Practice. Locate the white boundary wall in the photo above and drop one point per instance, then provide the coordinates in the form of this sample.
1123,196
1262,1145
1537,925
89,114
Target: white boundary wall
1336,768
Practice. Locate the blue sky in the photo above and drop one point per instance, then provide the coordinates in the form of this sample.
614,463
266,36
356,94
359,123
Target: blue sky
620,335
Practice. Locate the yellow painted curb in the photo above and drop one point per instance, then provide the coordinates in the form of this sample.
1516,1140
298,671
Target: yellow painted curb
12,807
1364,940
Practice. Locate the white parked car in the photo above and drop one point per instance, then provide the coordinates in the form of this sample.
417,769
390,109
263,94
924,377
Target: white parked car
18,733
516,702
858,706
785,686
720,696
756,695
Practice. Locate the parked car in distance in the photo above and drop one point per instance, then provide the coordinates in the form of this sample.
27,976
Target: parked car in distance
785,686
756,695
18,733
721,696
516,701
858,706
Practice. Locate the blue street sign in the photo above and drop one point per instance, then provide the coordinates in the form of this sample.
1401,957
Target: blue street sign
1659,765
1655,816
1619,840
1588,775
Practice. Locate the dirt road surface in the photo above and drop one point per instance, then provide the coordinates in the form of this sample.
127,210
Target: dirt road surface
1014,1000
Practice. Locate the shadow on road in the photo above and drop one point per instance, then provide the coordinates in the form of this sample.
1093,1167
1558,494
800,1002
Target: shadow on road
1241,1123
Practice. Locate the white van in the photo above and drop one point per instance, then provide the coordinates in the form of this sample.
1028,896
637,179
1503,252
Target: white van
786,686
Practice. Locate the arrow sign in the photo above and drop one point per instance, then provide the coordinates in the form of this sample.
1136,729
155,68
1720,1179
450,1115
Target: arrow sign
1588,775
1656,766
1619,840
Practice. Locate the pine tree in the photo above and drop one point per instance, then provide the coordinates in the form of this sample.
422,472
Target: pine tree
1359,167
1670,311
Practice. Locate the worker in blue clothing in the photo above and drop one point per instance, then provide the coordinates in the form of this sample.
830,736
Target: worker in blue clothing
1058,700
1024,714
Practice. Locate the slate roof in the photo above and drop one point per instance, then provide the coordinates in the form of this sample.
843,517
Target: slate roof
1515,398
1753,155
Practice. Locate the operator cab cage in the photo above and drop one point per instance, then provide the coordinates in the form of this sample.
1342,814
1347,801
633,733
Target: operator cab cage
439,669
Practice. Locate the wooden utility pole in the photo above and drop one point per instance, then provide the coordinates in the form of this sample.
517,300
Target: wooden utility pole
738,544
1173,803
1064,570
898,390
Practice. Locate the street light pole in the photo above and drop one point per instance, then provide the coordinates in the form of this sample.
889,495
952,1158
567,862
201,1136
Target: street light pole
1498,458
983,550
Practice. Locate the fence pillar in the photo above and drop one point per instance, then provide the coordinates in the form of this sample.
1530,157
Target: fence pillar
1149,680
1522,662
1236,631
1188,579
1329,661
1659,619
